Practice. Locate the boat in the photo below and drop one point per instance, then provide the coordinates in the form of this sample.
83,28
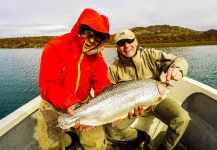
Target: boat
18,129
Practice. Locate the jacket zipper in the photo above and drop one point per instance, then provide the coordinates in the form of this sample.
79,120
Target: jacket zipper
134,66
79,72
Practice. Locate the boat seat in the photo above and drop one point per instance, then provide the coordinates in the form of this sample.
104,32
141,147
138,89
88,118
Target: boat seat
202,130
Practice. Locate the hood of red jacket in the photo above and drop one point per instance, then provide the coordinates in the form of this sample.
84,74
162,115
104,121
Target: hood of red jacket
92,19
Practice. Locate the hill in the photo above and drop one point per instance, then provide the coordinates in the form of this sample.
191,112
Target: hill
166,35
25,42
151,36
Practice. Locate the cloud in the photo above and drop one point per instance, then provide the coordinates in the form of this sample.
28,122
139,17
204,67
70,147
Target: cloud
53,17
17,30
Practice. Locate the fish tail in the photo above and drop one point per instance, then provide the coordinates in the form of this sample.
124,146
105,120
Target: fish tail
51,119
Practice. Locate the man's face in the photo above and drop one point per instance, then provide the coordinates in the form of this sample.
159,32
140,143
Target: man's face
127,47
92,38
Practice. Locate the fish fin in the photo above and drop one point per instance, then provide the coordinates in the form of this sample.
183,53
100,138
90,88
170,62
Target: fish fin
116,122
51,119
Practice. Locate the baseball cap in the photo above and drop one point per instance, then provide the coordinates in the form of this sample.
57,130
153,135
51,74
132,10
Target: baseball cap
124,34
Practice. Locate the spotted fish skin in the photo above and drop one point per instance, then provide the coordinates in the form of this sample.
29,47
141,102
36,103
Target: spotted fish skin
115,102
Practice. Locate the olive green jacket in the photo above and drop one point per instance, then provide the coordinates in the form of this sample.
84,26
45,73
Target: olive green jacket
147,63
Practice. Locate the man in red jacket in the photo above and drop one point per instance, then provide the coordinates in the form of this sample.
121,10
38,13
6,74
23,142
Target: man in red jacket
70,66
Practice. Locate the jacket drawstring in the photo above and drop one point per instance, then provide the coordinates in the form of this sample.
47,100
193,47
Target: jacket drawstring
79,72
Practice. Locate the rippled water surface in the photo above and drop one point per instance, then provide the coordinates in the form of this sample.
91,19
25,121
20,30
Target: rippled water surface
19,72
18,78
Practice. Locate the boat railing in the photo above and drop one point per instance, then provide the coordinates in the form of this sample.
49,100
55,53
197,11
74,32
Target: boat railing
11,120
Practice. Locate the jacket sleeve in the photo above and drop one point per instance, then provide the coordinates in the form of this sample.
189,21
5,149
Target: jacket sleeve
99,77
51,81
164,61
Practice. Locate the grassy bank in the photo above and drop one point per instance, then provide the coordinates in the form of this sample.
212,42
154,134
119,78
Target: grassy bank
25,42
180,44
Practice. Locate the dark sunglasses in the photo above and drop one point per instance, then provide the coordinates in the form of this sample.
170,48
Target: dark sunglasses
88,33
122,42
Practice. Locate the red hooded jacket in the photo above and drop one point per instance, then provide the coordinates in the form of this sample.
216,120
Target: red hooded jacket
61,69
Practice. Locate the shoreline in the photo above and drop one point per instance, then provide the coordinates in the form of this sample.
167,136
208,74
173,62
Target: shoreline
181,44
108,45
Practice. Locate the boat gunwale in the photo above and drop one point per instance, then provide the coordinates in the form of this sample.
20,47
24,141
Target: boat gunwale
14,118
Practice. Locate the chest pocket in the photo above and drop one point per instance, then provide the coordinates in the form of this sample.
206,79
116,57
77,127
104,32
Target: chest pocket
126,74
149,70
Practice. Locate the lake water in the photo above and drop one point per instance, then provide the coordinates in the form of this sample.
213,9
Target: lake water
19,72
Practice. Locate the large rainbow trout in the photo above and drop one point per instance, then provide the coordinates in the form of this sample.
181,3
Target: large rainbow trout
113,103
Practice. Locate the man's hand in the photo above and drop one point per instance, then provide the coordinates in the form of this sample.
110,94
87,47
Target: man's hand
82,128
71,109
173,74
136,112
78,126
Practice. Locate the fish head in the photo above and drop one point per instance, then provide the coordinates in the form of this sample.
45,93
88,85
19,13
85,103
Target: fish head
162,89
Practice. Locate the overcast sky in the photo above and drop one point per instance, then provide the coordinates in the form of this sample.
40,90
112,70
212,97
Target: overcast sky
56,17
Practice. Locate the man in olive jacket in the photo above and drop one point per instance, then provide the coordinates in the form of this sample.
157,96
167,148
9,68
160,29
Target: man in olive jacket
135,62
